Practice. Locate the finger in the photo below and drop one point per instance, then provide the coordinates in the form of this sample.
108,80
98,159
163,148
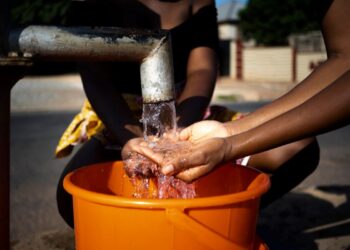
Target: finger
168,169
128,147
173,164
192,174
157,157
135,143
185,134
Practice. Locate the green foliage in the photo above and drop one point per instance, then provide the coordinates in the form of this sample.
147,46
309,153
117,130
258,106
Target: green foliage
270,22
40,12
229,98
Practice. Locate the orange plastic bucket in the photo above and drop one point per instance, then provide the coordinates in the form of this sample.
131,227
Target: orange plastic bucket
223,216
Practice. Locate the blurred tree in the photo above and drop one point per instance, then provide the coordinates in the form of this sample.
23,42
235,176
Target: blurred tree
270,22
42,12
26,12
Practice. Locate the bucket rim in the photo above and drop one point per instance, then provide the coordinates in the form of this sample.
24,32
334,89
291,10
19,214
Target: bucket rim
200,202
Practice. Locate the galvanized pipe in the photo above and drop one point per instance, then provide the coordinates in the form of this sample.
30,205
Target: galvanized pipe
155,85
150,48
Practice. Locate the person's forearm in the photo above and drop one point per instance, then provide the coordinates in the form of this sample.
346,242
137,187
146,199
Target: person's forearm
112,109
327,110
319,79
117,118
200,83
194,100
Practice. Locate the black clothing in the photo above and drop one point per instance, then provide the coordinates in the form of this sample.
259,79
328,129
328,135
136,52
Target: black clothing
200,29
321,8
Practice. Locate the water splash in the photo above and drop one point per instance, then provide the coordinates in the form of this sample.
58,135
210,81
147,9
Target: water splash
146,177
158,119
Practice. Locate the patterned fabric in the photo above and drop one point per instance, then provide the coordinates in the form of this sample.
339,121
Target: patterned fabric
87,124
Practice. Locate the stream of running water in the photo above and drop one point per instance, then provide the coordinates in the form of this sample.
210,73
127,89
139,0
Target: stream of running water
158,119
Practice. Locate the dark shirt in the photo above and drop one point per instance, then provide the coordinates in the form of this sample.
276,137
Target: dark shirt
321,8
200,29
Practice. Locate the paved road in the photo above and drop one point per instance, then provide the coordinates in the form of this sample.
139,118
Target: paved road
316,215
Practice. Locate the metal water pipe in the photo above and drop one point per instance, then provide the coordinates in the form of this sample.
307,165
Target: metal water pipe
152,49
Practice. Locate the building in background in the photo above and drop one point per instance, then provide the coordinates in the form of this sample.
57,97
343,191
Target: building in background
245,61
228,21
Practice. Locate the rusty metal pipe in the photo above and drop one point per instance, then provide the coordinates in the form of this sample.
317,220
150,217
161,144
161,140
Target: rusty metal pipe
150,48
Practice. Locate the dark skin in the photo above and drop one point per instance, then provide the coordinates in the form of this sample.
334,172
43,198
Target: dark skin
320,103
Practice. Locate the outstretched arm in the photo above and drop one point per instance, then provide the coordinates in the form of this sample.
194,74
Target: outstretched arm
313,84
336,36
327,110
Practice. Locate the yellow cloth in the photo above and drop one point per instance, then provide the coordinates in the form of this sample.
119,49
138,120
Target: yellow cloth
84,125
87,124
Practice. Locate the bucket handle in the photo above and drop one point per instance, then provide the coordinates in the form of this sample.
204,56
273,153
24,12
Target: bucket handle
202,233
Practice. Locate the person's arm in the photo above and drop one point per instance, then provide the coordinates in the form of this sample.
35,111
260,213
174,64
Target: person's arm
200,83
336,36
317,81
202,64
108,103
328,110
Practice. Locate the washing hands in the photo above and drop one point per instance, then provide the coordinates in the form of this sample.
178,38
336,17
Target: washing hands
199,148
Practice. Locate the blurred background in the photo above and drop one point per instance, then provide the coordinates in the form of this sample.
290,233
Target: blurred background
266,48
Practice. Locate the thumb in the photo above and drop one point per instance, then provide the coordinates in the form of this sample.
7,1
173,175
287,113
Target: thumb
149,153
186,133
192,174
175,165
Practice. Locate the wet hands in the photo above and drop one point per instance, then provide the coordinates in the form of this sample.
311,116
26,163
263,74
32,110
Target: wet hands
204,130
136,164
201,157
201,147
206,149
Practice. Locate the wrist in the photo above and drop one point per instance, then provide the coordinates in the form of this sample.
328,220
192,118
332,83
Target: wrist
240,126
227,149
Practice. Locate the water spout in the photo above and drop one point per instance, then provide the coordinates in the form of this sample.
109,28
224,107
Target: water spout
152,49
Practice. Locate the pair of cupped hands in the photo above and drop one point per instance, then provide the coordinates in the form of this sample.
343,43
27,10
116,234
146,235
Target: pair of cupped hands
201,147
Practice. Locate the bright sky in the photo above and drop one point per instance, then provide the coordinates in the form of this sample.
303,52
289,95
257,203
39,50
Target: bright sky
219,2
